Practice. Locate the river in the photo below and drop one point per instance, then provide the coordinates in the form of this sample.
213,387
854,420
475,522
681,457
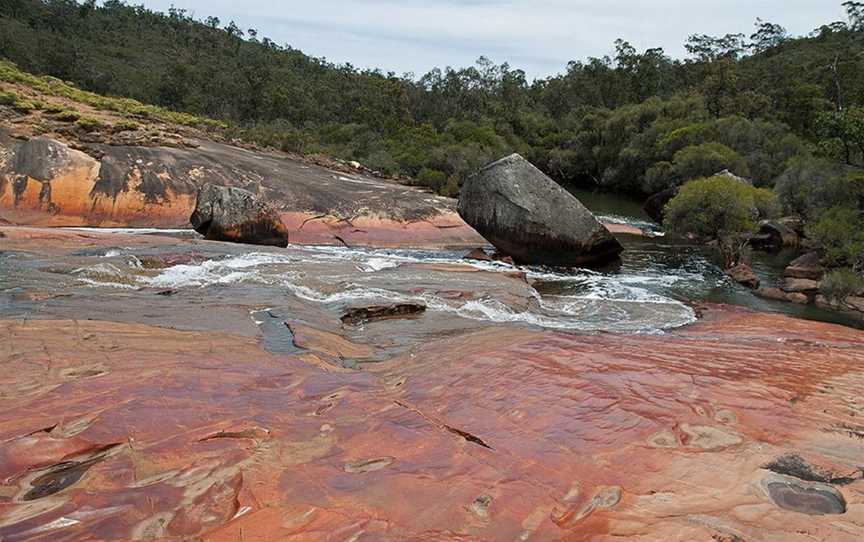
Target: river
680,269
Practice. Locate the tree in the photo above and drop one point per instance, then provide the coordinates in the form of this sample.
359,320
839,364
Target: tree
721,209
855,14
707,48
844,130
767,36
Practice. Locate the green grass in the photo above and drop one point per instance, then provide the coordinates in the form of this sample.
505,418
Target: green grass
52,86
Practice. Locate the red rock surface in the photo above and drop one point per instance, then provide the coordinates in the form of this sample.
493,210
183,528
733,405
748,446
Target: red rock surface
501,434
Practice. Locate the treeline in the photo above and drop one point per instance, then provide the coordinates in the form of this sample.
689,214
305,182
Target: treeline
635,122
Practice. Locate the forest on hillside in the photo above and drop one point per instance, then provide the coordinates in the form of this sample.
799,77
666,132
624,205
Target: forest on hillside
785,111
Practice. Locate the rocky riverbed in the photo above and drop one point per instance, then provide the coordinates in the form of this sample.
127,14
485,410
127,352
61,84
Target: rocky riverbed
167,387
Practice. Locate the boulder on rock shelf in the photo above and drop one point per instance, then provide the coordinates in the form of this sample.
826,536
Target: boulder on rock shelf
528,216
808,266
232,214
800,285
777,234
744,275
779,295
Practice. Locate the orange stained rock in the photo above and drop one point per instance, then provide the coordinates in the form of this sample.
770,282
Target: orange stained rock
502,434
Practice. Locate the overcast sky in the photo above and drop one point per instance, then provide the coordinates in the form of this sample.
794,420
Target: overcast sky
539,36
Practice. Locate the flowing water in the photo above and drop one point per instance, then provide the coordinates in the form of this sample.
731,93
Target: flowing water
683,270
650,290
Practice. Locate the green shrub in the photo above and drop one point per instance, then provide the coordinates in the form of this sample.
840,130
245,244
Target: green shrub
52,108
432,178
8,98
841,283
67,116
698,161
718,206
810,186
89,124
839,233
126,126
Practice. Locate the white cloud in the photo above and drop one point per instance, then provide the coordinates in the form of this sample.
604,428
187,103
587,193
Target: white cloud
540,36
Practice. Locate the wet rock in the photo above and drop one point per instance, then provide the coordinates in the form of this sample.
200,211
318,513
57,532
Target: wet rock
796,466
744,275
528,216
808,266
368,465
777,234
779,295
811,498
856,303
800,285
655,205
58,477
236,215
503,258
358,315
478,254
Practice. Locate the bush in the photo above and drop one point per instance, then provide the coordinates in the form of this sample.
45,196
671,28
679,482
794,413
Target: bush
840,284
8,98
89,124
126,126
810,186
697,161
67,116
718,206
839,233
432,178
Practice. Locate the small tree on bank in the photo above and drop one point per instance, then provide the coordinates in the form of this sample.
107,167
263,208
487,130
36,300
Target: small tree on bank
721,209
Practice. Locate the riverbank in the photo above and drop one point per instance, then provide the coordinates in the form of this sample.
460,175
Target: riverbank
222,394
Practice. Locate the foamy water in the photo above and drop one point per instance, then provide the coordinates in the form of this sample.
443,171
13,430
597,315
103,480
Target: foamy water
338,276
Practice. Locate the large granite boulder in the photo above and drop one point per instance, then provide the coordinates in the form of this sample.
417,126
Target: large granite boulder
225,213
528,216
809,266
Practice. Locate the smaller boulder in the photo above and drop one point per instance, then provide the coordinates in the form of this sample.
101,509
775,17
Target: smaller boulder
777,294
232,214
808,266
655,205
855,303
360,315
777,234
800,285
744,275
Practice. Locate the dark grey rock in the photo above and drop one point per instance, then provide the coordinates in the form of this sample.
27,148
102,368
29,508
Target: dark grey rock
655,205
812,498
528,216
232,214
